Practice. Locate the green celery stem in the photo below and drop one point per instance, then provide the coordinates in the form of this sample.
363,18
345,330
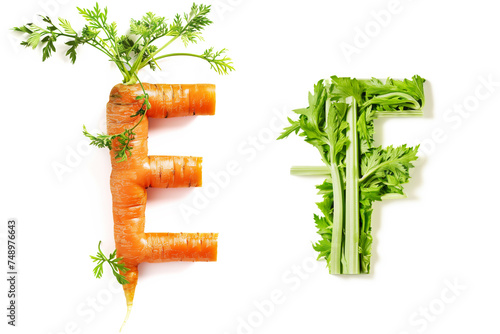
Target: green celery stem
351,248
310,170
405,113
338,212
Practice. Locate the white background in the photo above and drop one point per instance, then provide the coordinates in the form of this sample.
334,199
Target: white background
445,233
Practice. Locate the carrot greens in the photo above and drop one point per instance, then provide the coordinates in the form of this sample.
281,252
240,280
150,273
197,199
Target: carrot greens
133,51
113,261
339,123
130,53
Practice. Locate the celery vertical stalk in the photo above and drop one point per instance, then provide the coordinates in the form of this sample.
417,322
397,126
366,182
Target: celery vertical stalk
338,206
351,248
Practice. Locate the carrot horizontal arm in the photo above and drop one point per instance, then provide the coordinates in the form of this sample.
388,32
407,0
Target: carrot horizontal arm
174,172
167,247
169,100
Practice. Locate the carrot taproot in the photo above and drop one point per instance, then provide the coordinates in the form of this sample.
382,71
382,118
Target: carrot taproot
130,178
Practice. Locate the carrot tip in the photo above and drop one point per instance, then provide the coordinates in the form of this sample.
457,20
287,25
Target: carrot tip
129,309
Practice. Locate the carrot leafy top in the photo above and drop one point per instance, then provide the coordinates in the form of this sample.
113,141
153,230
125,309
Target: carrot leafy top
133,51
130,52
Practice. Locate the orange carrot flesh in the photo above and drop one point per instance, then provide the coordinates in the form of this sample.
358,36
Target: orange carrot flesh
130,178
175,172
170,100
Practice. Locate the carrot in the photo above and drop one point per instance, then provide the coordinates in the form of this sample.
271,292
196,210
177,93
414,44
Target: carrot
130,104
131,178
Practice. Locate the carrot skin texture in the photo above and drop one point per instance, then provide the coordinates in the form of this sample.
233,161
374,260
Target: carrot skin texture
167,247
170,100
130,179
175,172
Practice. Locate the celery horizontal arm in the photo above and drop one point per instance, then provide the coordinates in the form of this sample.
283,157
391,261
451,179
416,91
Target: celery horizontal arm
339,123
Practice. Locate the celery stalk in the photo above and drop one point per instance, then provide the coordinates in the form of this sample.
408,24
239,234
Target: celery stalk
351,248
